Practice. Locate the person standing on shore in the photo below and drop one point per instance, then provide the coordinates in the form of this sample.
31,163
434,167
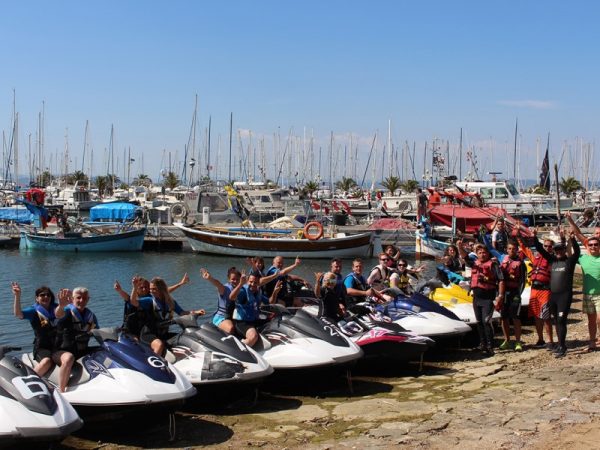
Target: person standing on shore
590,266
421,204
487,286
515,273
539,296
561,286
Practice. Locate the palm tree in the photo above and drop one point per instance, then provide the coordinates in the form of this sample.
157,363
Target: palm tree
410,185
142,180
44,179
310,187
171,181
345,184
76,176
569,185
392,184
102,183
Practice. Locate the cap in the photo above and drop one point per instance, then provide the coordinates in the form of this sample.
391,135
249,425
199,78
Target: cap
559,246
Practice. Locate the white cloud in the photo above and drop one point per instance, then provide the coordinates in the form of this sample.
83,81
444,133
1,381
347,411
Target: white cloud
529,104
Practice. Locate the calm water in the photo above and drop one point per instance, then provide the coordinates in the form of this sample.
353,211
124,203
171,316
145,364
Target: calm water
98,272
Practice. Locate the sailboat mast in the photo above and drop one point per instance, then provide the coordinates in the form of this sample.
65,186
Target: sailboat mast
515,151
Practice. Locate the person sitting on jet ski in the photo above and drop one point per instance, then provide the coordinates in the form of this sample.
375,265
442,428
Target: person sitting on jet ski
135,318
159,307
43,316
357,288
225,307
248,298
277,273
73,329
334,304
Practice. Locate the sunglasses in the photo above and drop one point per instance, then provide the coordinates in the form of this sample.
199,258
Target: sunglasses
44,294
384,259
401,265
547,246
593,245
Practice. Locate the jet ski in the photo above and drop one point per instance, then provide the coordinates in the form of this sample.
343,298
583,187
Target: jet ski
207,355
423,316
379,337
31,410
119,377
298,340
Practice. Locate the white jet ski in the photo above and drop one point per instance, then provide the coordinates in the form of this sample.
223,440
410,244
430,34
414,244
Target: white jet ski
119,377
31,410
207,355
299,340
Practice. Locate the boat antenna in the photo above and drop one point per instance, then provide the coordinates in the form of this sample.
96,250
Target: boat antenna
362,182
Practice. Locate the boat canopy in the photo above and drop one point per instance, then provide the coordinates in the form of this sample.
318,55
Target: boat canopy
18,214
118,211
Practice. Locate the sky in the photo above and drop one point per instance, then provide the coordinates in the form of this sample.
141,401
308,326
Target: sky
316,89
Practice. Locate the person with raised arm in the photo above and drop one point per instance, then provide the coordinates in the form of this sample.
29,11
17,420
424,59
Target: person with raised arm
43,317
160,308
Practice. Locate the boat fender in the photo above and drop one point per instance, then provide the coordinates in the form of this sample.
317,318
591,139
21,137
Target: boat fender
313,237
300,234
179,211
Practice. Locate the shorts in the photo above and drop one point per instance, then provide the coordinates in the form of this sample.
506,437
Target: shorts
218,319
242,327
511,308
591,303
41,353
538,304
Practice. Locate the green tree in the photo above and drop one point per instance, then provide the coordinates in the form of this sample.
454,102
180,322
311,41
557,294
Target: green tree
310,187
392,184
76,176
171,181
345,184
44,179
102,183
409,185
569,185
142,180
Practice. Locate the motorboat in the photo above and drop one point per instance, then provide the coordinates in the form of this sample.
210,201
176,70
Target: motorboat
119,377
207,355
248,241
299,340
31,410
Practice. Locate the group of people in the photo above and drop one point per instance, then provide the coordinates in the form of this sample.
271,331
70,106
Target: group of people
62,329
245,292
498,285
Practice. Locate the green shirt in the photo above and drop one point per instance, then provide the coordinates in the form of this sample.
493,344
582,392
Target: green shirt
590,265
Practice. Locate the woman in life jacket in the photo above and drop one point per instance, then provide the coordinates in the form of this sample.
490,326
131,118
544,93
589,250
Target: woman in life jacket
160,308
222,317
43,316
334,305
135,318
73,329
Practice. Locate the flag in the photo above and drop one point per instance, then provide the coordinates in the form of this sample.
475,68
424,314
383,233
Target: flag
545,173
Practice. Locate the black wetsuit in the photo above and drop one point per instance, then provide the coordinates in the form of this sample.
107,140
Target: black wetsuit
561,288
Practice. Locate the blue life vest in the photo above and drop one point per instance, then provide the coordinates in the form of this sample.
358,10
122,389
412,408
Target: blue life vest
247,309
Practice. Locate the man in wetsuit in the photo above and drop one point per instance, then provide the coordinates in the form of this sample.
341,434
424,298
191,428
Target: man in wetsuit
561,287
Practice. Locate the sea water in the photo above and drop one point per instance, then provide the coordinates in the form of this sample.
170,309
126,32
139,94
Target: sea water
99,271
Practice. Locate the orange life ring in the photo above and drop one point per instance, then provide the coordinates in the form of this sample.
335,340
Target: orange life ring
309,226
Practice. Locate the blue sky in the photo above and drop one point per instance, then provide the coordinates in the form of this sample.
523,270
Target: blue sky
300,70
